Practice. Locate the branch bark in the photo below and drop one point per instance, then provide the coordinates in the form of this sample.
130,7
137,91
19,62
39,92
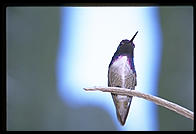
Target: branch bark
157,100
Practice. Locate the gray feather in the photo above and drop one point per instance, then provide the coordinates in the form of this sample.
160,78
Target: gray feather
120,74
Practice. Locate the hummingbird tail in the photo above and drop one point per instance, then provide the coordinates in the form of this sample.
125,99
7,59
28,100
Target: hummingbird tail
122,104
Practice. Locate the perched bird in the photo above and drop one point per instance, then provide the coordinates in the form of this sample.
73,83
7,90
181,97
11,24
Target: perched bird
121,73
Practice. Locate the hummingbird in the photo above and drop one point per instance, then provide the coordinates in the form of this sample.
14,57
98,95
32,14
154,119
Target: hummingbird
122,73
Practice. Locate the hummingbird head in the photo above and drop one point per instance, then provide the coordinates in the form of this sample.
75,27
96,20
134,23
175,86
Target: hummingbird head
126,46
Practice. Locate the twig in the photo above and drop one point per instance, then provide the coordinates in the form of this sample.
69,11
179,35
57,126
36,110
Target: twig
159,101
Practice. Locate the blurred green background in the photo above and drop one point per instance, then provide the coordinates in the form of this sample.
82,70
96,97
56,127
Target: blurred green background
32,99
176,75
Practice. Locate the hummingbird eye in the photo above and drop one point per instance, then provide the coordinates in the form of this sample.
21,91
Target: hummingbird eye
121,43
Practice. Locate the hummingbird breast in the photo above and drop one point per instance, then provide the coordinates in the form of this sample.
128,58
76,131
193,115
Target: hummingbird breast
120,74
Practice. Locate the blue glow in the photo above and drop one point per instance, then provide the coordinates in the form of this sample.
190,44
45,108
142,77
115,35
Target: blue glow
89,38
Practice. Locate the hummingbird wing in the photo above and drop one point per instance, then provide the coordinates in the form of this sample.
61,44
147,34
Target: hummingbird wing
120,74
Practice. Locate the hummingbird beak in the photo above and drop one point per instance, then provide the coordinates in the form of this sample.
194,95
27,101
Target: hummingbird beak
133,37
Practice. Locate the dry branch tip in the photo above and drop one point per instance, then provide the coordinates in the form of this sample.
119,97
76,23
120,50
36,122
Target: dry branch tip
157,100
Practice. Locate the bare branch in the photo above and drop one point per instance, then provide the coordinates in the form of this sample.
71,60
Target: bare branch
159,101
